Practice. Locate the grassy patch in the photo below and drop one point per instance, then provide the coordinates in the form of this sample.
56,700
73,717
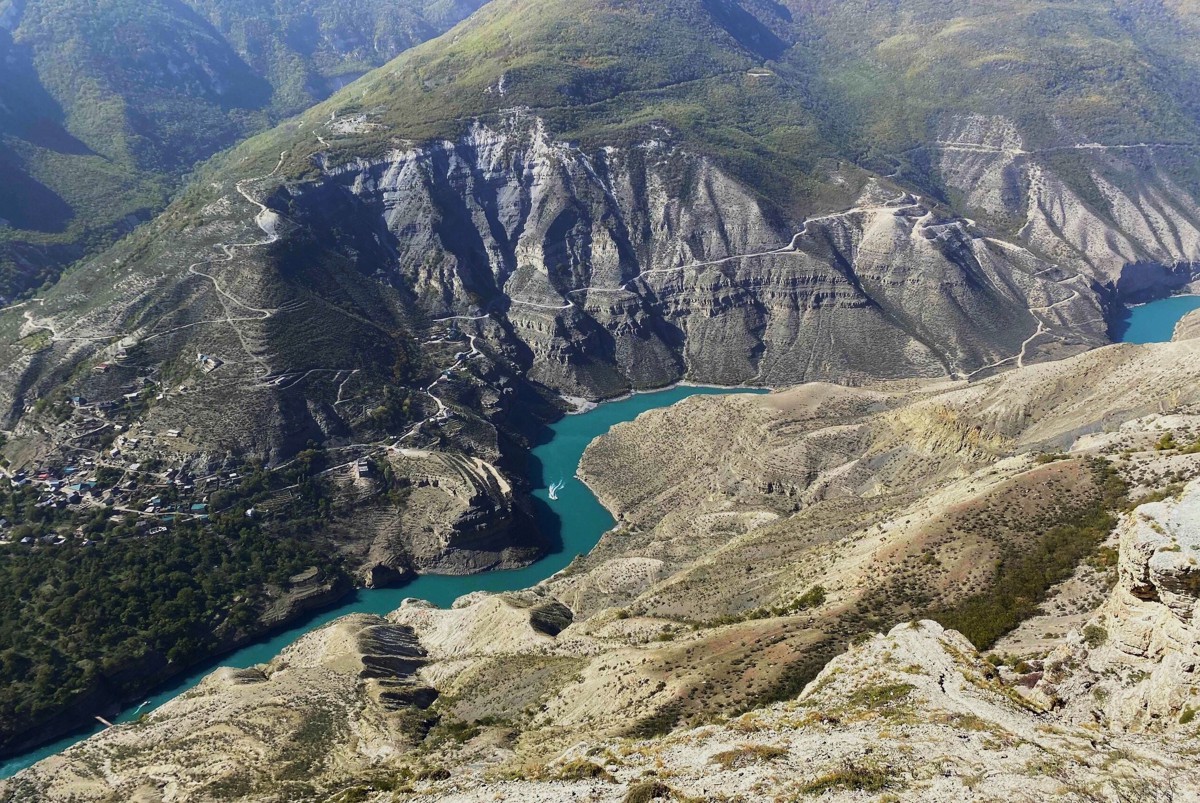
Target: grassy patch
876,696
646,791
746,755
1026,572
851,776
580,769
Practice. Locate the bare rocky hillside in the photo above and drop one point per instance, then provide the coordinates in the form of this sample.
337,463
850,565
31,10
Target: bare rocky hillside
834,513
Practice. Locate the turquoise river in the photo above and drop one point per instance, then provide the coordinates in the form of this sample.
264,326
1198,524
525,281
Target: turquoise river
1155,322
576,516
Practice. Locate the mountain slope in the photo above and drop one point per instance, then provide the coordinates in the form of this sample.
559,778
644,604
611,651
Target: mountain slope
701,190
835,511
989,239
105,105
590,197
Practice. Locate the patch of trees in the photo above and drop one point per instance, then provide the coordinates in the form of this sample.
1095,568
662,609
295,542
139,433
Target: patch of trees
126,611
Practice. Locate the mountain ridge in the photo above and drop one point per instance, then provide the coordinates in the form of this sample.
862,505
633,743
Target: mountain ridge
106,106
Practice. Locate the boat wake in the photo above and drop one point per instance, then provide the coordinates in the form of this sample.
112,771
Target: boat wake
555,487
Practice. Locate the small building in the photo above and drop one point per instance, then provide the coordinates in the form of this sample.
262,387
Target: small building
363,467
208,363
200,507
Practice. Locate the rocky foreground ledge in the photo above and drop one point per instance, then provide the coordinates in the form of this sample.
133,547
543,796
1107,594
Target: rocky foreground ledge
688,655
913,714
918,714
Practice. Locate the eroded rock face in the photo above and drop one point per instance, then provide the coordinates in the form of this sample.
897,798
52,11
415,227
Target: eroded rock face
1140,234
336,689
640,266
1135,663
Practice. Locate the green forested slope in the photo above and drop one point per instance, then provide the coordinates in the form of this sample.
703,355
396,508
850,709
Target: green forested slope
105,104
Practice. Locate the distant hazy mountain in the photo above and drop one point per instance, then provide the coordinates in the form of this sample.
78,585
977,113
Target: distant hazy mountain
104,104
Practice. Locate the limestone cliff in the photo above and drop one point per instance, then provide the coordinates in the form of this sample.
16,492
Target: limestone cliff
1133,665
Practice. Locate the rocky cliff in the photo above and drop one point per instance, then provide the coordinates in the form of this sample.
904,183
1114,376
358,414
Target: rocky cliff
640,266
1133,665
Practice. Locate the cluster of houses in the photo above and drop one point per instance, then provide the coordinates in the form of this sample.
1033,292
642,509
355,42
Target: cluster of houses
158,500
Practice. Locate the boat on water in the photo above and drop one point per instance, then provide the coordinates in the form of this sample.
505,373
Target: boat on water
555,487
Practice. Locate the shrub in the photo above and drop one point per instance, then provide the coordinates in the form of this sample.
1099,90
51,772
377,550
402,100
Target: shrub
1094,635
646,791
748,754
582,770
1166,442
850,777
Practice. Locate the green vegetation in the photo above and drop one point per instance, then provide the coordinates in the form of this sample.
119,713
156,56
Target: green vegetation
1094,635
746,755
852,776
659,723
1171,491
1026,572
845,82
105,105
813,598
580,769
127,610
647,791
877,696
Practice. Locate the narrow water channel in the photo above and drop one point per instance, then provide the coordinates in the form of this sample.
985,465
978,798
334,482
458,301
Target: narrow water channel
575,516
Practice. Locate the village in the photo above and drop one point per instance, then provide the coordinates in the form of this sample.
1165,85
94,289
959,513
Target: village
65,494
113,471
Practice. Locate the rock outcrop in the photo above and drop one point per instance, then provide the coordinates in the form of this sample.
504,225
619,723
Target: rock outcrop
1134,665
641,266
1188,326
1139,233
